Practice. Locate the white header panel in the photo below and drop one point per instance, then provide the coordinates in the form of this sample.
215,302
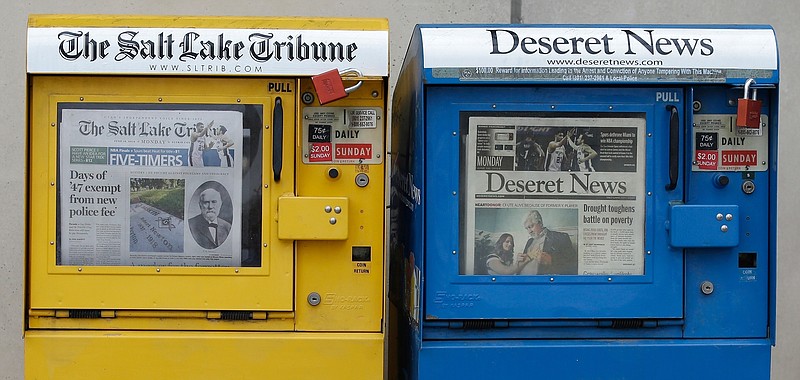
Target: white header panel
190,51
641,47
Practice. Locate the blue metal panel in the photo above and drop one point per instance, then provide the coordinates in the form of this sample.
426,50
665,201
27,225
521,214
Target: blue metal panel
407,216
772,110
583,329
592,360
704,226
448,295
739,304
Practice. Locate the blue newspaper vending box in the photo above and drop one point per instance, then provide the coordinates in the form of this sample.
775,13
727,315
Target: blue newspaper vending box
585,202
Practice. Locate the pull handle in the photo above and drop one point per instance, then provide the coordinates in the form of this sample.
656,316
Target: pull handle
674,124
277,139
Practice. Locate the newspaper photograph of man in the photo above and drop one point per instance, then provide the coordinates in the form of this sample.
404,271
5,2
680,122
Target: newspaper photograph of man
198,144
212,224
529,153
525,241
223,144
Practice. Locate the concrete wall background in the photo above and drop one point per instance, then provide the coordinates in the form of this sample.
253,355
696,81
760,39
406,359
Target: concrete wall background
402,18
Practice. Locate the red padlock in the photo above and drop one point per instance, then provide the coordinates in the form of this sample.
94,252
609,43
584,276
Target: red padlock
748,112
329,85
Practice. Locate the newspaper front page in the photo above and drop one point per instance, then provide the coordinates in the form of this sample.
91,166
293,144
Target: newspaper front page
149,187
554,196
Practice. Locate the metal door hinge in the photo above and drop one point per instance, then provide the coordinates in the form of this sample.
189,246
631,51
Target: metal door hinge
477,324
238,315
85,313
628,323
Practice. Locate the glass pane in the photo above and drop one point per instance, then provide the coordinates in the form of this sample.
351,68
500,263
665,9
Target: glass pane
159,185
553,194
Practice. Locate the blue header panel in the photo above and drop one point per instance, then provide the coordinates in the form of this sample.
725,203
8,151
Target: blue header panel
598,54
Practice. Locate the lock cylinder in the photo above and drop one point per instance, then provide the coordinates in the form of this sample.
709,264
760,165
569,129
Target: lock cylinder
721,180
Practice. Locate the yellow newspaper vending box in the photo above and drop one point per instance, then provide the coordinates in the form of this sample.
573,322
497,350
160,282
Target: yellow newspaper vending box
196,207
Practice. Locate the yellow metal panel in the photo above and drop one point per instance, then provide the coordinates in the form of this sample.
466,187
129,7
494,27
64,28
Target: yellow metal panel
312,218
208,22
166,321
192,355
351,291
51,286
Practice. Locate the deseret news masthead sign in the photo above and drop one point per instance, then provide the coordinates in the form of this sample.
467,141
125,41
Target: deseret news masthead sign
599,54
205,51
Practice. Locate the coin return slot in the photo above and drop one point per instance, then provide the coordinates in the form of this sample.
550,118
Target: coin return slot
747,259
